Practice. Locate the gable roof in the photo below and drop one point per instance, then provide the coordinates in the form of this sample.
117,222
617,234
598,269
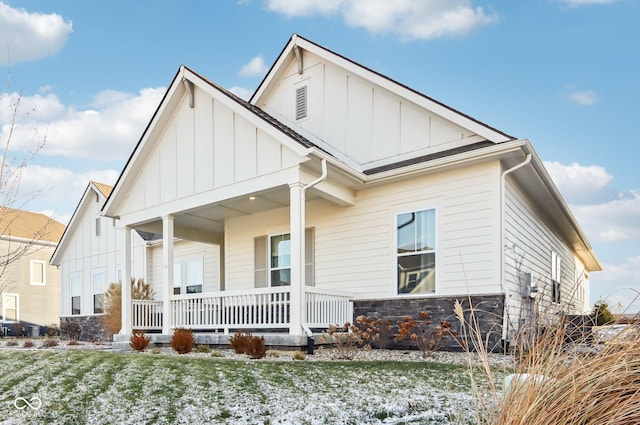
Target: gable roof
30,226
288,55
102,191
285,134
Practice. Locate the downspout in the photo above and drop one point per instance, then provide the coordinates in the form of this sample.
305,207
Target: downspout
317,181
503,182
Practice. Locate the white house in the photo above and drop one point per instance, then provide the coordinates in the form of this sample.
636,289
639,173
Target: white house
337,189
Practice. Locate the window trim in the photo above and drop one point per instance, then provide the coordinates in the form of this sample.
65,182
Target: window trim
180,264
44,272
4,307
309,261
72,296
95,293
407,209
270,269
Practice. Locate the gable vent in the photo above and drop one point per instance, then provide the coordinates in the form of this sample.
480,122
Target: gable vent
301,102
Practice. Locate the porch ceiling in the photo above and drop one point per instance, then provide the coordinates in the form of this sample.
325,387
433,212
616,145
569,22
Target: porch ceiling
206,223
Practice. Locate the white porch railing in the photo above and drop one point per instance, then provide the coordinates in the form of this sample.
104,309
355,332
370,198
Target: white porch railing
327,307
260,308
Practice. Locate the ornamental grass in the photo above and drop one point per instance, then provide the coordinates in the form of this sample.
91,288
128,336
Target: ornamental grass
558,380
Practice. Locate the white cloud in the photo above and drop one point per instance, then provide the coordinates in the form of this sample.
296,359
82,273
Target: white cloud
107,132
605,214
612,221
619,285
304,7
409,19
254,68
241,92
26,36
583,97
581,184
58,190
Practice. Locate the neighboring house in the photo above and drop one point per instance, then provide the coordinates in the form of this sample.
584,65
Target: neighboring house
29,286
336,191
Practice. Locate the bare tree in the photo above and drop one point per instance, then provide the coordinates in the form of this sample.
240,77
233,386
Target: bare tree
13,163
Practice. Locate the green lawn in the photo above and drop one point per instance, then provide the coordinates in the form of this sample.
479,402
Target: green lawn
89,387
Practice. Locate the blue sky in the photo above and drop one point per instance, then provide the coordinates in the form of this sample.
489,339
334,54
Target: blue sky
564,74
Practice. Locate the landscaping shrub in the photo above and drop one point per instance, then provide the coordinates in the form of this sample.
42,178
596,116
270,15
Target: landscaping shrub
52,329
374,331
11,343
28,344
252,346
138,341
299,355
239,342
70,330
256,348
346,339
601,315
73,342
427,336
183,340
203,348
49,343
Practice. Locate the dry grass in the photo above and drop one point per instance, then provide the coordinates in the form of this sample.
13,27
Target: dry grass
572,383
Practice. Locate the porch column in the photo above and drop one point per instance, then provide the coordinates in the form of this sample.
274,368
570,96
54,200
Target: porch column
167,273
296,241
126,285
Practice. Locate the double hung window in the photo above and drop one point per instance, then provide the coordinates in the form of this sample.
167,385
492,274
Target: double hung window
416,252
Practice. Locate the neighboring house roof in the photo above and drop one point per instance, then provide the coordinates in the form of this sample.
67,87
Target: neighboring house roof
102,191
29,226
103,188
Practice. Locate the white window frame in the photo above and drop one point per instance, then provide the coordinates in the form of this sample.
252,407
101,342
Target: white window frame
181,282
96,291
271,269
262,268
73,294
6,295
43,265
396,255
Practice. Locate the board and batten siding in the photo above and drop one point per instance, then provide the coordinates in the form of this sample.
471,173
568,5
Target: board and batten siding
358,118
86,253
186,250
529,242
202,149
355,246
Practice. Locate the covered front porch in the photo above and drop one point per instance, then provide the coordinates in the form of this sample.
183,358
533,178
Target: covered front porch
260,309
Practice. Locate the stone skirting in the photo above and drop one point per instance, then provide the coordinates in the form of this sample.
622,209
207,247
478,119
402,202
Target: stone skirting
488,312
91,328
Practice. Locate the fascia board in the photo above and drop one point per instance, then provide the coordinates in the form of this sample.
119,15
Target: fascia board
170,99
68,231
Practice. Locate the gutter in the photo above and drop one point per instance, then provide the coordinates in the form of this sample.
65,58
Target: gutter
323,177
503,181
